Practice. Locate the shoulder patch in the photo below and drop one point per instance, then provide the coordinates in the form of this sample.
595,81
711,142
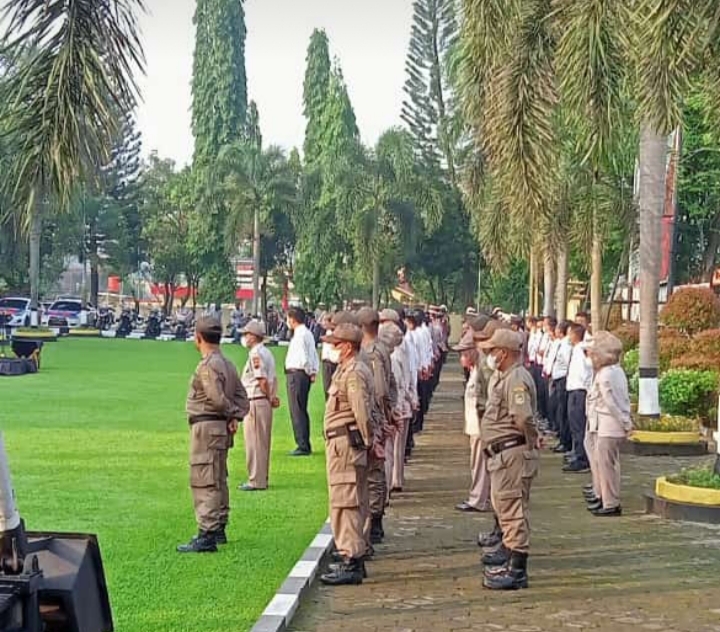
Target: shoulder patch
256,361
518,396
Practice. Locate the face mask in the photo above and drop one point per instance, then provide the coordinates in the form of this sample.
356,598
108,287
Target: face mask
492,362
244,342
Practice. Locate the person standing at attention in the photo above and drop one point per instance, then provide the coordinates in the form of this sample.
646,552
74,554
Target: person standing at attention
329,355
301,369
216,403
260,382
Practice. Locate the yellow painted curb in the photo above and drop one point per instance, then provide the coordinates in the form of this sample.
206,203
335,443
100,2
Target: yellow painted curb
84,332
38,335
685,494
647,436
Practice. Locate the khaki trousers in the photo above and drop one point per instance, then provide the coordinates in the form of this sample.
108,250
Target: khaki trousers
376,493
209,444
479,496
346,470
389,463
591,440
511,475
257,429
397,480
608,468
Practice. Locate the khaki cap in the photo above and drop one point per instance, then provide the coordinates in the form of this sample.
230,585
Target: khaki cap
478,323
208,325
390,335
503,339
344,332
254,327
344,317
490,328
367,316
603,342
467,342
389,315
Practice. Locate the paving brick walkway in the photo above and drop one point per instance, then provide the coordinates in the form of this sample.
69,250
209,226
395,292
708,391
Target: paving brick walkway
635,573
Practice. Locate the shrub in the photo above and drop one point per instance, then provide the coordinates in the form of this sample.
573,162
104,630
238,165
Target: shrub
690,393
695,361
671,344
692,310
667,423
631,362
707,342
704,477
629,334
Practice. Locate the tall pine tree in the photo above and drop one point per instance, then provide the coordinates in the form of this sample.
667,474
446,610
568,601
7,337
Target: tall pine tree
219,118
428,108
315,91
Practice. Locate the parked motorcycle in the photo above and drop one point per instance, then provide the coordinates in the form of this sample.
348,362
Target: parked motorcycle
105,318
125,323
153,328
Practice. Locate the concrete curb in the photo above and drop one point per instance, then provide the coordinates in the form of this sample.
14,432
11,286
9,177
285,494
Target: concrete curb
282,607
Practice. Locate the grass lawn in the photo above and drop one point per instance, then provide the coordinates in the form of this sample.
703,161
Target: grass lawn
98,443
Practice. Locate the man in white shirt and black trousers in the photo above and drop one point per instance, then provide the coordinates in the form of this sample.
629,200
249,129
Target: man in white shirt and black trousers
301,369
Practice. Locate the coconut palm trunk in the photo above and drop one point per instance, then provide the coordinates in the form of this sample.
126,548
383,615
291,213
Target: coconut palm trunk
562,280
35,237
596,278
548,283
376,283
653,159
256,261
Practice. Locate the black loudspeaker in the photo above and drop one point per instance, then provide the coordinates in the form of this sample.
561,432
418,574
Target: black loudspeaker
61,589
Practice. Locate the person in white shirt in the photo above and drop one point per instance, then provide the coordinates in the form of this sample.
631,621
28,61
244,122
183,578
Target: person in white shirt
558,371
578,384
547,331
329,355
422,331
419,368
301,369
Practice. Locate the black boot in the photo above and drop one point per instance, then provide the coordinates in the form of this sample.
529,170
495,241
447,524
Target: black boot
492,539
512,577
348,572
499,557
220,536
376,530
336,566
203,542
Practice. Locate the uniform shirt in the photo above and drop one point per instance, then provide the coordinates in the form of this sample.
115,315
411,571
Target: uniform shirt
216,389
302,354
579,371
424,346
511,407
482,378
559,368
401,371
549,357
543,343
260,365
472,418
412,360
348,400
377,359
328,352
533,345
608,403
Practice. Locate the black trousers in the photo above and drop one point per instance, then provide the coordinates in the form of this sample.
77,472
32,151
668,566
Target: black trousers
298,389
541,388
328,370
559,409
577,420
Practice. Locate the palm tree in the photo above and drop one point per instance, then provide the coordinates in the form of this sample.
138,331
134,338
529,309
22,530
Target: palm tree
72,66
254,184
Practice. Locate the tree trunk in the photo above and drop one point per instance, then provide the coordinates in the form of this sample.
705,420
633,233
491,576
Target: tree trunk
596,269
478,295
36,223
653,156
548,283
531,283
562,281
94,280
376,283
256,261
711,250
263,295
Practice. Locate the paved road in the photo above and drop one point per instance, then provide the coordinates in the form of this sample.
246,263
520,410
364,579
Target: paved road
610,575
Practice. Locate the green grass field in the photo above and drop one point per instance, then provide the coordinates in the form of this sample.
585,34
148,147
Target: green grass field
98,443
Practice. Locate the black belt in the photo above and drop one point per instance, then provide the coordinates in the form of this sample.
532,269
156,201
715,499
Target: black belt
500,446
196,419
291,371
256,399
342,431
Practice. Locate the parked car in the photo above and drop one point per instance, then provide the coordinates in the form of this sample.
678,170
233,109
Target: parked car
14,312
63,313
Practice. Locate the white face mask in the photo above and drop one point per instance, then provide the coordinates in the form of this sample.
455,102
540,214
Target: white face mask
491,361
244,342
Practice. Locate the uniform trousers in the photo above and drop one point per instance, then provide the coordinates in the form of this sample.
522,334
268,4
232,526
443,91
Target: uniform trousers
511,474
257,429
577,420
328,370
559,409
346,479
209,445
606,469
591,451
397,480
298,388
541,388
389,462
479,495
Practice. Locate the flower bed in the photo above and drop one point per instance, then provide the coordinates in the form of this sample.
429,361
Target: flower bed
669,435
692,495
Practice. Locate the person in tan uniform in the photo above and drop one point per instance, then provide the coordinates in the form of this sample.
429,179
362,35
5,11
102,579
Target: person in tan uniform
510,442
260,381
216,403
348,436
377,357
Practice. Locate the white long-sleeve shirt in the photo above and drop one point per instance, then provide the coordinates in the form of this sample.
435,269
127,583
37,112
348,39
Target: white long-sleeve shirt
302,354
549,357
533,345
560,365
426,346
580,371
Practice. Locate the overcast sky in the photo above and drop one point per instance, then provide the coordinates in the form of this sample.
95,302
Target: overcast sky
369,36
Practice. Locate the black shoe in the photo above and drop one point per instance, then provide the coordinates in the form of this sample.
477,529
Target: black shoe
299,452
336,566
595,505
377,533
498,557
511,577
489,540
220,536
346,573
204,542
560,449
606,513
575,467
466,506
588,488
